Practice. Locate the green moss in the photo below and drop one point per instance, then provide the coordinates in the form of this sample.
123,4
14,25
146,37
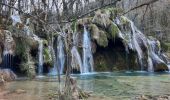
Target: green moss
94,31
101,19
45,42
29,68
113,31
165,46
102,40
21,46
124,20
47,56
101,65
74,25
84,21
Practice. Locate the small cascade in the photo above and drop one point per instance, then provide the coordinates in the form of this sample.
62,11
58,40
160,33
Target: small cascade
154,53
138,42
53,71
9,50
153,48
169,67
76,61
150,65
59,60
60,55
40,57
7,60
133,38
87,53
136,45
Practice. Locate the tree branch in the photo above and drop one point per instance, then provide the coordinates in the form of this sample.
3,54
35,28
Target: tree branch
141,5
63,35
91,11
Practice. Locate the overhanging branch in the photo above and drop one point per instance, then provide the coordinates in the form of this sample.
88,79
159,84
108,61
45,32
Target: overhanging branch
91,11
34,18
141,5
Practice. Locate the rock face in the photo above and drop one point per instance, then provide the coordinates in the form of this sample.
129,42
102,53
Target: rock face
110,33
7,43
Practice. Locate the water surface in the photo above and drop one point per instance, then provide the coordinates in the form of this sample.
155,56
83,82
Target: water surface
106,86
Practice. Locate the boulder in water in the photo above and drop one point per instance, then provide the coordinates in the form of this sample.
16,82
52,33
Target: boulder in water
7,75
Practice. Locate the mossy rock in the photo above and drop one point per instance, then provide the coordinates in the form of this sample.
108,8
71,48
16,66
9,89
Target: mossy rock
45,42
101,19
21,46
98,35
102,40
165,46
124,20
94,31
161,67
112,31
47,56
84,21
29,68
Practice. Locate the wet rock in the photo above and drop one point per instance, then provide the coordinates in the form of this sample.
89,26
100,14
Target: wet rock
7,43
7,75
101,19
161,67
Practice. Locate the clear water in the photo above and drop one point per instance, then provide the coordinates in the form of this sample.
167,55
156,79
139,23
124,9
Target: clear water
104,86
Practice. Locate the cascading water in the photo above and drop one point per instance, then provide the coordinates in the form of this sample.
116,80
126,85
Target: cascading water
76,61
87,53
60,58
40,54
53,71
153,54
60,55
136,40
136,46
7,60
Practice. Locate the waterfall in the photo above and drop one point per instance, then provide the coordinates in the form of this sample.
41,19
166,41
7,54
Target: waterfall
53,71
150,65
40,54
7,60
59,58
76,61
136,45
136,41
153,54
87,53
60,55
169,67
